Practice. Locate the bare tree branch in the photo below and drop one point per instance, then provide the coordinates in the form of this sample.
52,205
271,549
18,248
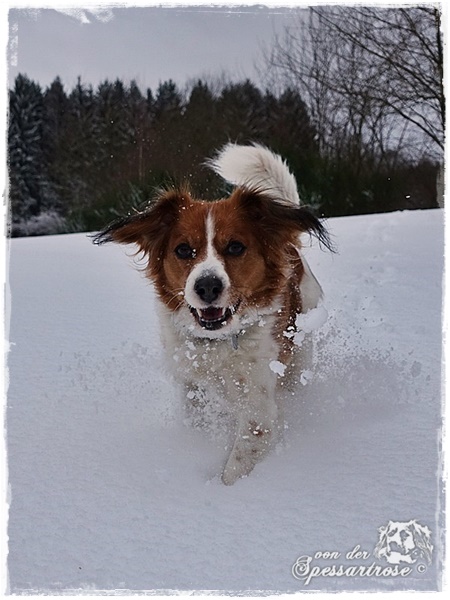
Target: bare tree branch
360,69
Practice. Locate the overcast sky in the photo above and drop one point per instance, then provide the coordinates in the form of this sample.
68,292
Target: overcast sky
148,44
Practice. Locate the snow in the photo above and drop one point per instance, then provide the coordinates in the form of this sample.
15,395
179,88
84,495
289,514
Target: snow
312,320
112,487
277,367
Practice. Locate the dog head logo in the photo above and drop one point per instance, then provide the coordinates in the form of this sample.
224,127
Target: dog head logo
404,543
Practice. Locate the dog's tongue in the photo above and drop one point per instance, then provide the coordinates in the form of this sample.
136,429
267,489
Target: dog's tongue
212,313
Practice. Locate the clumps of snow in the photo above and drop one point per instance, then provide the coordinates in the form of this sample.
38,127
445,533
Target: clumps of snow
298,338
206,411
312,320
277,367
306,323
306,376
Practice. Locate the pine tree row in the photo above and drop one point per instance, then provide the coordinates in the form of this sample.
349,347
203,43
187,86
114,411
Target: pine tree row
77,160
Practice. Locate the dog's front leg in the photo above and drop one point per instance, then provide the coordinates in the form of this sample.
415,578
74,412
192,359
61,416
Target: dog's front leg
256,425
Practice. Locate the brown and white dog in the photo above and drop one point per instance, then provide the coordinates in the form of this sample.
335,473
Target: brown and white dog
231,281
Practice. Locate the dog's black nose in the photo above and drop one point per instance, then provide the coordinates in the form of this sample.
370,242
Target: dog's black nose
209,288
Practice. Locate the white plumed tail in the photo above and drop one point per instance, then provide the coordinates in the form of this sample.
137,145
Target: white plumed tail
258,168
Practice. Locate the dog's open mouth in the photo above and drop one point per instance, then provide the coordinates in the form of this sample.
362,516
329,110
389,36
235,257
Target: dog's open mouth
213,317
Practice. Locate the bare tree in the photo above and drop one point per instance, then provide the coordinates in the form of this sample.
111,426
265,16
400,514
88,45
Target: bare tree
372,77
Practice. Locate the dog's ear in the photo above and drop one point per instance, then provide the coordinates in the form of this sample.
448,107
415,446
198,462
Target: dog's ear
278,216
148,228
422,538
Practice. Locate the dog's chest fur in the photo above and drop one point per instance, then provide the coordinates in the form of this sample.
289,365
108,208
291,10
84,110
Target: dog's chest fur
221,360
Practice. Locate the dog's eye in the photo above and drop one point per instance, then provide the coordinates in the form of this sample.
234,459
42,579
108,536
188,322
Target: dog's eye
235,248
184,251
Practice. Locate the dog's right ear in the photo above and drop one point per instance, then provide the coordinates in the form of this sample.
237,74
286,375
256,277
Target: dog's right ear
146,229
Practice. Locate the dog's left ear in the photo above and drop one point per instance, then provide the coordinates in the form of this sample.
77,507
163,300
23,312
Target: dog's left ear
276,216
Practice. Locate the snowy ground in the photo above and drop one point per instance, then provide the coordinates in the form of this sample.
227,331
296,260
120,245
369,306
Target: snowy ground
112,490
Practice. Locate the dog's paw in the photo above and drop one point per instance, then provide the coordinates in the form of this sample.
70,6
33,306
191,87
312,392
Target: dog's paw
246,453
235,469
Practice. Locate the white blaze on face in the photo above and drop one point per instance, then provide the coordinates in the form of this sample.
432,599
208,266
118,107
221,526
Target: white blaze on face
211,265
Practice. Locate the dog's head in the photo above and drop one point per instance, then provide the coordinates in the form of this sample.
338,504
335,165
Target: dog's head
217,265
404,542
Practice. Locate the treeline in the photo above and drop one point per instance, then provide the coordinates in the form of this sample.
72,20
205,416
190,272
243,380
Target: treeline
78,159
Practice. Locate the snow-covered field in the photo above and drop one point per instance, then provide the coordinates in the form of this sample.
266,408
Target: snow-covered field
111,488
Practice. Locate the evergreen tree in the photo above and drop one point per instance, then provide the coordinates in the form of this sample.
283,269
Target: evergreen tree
165,149
82,152
27,170
150,105
289,124
201,136
56,106
138,123
168,100
113,130
241,107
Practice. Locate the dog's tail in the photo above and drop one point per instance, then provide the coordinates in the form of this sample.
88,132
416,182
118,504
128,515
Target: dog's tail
256,167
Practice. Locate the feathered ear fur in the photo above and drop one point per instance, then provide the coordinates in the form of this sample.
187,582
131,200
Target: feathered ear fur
380,548
277,218
146,229
422,537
